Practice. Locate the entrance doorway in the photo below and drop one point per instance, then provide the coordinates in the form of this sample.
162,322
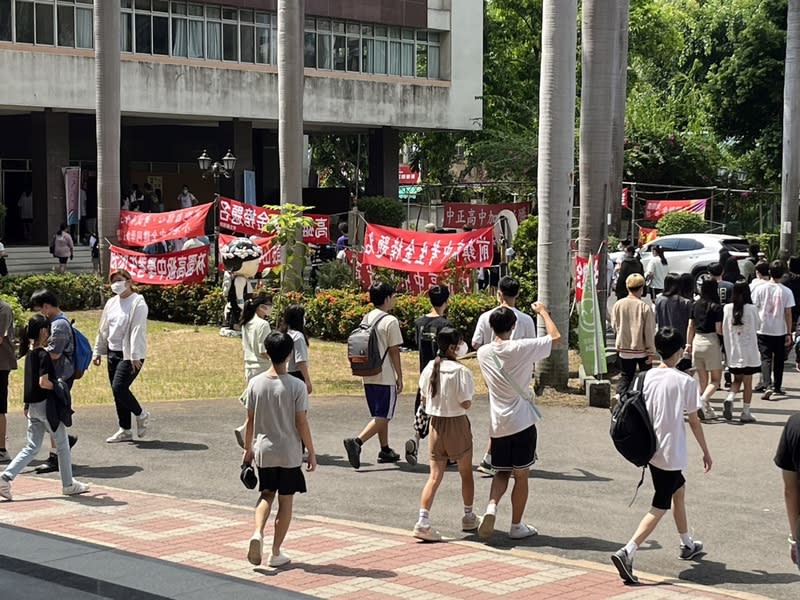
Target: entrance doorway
17,197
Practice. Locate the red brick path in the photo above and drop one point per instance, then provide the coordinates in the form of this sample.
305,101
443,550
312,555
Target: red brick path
330,559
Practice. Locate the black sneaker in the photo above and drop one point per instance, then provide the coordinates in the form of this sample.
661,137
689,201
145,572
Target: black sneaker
353,449
760,389
50,465
624,565
779,392
411,451
486,468
388,456
688,553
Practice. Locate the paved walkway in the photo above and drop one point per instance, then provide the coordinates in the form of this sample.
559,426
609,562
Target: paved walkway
331,559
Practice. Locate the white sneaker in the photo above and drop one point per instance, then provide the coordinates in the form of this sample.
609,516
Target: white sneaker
5,488
4,456
122,435
76,488
255,549
521,531
426,534
142,421
278,560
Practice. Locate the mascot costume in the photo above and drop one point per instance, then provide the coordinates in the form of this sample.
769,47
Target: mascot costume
240,258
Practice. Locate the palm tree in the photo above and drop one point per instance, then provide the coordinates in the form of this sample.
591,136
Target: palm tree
599,35
556,172
290,106
107,98
618,122
791,131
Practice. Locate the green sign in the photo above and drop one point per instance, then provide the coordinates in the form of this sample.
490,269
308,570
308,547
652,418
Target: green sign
591,327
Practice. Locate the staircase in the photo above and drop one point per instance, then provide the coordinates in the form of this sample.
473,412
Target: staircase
26,260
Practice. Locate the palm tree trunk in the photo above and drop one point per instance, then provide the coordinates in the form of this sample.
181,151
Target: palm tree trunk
791,132
618,123
556,171
290,118
599,35
107,97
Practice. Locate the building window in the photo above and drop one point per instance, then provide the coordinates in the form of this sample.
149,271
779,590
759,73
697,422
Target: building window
24,22
5,21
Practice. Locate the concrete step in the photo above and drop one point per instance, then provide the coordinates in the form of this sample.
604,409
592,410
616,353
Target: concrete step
27,260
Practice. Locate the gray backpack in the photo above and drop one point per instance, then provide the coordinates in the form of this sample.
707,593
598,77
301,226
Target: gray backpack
362,349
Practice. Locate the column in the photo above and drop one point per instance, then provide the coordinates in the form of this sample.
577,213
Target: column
50,153
236,136
384,163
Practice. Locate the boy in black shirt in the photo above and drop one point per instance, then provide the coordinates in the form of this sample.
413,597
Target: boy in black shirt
787,458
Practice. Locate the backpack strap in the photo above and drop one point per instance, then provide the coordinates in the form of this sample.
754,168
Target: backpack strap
515,386
373,326
638,385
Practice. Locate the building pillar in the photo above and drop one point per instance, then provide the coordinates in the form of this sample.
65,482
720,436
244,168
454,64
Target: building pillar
267,167
384,163
50,153
236,136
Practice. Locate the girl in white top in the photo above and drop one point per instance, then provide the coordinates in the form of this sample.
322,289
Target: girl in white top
657,270
446,387
122,338
740,322
255,329
294,326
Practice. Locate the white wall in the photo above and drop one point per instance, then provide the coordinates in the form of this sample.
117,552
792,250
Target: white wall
64,80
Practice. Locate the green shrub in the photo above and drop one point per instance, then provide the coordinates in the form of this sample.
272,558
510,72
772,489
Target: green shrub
200,304
523,265
20,314
75,292
335,275
681,222
770,243
382,211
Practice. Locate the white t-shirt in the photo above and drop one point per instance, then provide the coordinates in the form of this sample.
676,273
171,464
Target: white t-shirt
389,335
254,334
510,413
523,329
772,300
300,353
657,271
118,316
187,200
756,283
669,394
741,341
455,386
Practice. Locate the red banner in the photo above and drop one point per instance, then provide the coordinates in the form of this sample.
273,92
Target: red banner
647,235
408,177
655,209
143,229
460,215
251,220
417,283
187,266
581,269
417,252
626,197
270,255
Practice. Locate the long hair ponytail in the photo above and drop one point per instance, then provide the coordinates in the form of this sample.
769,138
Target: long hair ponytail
31,331
294,317
741,296
251,307
446,338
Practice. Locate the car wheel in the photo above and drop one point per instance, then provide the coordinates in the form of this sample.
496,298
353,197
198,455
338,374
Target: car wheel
700,275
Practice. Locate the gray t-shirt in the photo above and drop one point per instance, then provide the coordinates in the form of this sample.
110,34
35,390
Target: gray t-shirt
275,400
61,342
300,353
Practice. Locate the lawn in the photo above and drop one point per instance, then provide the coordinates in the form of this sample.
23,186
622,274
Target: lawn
187,363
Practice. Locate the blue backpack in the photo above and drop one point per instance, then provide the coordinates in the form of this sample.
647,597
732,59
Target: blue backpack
81,350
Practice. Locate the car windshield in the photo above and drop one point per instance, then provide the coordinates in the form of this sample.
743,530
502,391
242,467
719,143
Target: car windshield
735,245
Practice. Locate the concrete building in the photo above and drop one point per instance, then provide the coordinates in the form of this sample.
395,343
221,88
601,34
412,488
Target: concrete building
199,74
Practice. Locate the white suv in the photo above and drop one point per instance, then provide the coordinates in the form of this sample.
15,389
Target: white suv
694,252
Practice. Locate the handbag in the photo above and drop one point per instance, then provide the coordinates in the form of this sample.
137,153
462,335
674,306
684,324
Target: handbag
248,476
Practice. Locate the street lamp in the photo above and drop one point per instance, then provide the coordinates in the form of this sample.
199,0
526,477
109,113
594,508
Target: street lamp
216,169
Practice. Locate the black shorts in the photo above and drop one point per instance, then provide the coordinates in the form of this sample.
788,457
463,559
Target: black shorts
666,483
298,375
284,481
63,259
3,396
516,451
744,370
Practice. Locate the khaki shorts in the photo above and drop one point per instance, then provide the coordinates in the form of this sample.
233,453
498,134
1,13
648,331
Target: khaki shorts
706,352
450,438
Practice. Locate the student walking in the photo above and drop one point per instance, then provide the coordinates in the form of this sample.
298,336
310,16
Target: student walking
8,363
506,368
41,380
426,330
447,387
774,302
383,389
294,325
702,341
630,264
122,339
787,459
634,325
255,329
62,248
656,271
668,394
739,331
672,309
275,432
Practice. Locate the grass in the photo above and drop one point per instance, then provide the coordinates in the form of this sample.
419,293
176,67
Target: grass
192,363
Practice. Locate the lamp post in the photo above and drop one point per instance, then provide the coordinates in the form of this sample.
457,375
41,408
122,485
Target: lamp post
216,169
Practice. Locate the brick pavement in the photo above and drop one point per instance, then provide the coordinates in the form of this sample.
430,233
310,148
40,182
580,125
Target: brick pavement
331,559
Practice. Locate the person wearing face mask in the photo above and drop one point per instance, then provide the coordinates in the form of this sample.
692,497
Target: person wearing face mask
122,338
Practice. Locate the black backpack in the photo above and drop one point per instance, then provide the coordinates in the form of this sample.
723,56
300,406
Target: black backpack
363,351
631,429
